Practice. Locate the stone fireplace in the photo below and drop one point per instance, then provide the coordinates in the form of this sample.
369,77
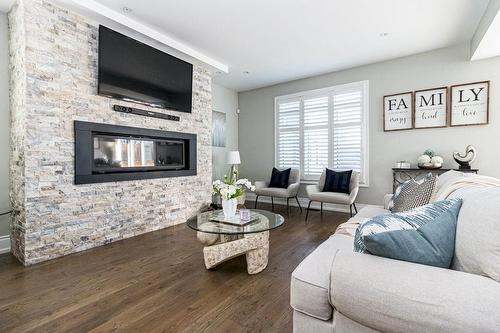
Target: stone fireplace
53,72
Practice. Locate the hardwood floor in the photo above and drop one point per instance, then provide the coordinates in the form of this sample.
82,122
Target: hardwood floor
157,282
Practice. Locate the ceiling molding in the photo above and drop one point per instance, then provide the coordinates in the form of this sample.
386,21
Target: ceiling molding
484,43
99,11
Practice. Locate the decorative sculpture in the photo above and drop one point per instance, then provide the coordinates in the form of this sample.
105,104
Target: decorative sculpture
466,159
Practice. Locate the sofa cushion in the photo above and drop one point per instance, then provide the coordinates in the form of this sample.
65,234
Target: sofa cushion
330,197
424,235
272,192
310,285
477,245
396,296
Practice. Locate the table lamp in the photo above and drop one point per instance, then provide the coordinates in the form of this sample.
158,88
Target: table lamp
233,158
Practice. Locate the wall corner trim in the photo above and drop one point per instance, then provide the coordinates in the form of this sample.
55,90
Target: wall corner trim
4,244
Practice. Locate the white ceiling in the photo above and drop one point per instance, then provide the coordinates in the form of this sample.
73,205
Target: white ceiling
282,40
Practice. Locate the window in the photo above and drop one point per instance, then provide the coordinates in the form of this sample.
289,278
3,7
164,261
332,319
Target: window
324,128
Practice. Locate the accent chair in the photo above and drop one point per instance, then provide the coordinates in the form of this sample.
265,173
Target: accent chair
262,189
315,193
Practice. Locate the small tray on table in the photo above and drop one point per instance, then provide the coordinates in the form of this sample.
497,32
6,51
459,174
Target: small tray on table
235,220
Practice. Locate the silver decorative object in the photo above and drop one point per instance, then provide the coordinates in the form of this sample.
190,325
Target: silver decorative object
466,159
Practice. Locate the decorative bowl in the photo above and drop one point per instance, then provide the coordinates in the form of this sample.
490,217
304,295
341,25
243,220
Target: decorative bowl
430,166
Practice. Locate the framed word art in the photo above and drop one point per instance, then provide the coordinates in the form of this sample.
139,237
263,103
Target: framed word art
470,103
431,108
398,111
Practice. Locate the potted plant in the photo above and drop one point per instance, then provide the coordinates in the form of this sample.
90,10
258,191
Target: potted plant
230,189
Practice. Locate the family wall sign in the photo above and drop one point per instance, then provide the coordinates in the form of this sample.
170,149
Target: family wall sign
468,104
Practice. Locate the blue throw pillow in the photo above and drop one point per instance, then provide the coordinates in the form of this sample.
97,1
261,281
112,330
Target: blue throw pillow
424,235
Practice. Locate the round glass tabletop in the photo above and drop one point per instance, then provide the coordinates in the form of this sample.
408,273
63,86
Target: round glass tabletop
264,221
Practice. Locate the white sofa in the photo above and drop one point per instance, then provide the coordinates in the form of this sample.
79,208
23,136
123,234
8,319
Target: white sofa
337,290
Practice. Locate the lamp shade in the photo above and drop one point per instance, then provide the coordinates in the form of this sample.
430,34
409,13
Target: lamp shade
233,157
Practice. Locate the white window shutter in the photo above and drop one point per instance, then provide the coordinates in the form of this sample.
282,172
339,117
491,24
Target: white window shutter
324,128
288,134
316,128
347,130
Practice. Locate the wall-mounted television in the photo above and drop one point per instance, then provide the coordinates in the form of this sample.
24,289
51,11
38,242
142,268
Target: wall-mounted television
132,71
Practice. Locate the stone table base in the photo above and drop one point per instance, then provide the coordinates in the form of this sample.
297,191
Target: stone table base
220,248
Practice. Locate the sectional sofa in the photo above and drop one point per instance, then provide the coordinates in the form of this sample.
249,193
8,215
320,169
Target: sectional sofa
337,290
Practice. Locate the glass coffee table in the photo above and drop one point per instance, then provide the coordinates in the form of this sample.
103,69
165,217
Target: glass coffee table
225,241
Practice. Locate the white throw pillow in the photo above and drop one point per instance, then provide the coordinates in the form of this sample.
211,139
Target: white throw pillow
477,242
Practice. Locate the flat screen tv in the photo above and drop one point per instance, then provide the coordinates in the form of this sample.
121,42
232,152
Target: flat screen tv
132,71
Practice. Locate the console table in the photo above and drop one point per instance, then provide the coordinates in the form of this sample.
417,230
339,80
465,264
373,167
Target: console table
399,176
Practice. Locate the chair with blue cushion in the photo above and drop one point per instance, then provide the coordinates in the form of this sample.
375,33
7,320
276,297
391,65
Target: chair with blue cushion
316,193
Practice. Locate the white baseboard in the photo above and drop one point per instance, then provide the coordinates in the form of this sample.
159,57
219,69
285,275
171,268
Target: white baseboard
4,244
304,202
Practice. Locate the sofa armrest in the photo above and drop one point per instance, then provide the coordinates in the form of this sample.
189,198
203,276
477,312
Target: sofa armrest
387,200
293,189
396,296
310,189
353,195
261,184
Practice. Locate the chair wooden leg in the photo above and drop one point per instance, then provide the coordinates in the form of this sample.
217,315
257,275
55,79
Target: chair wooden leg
256,198
350,209
307,211
321,209
298,203
287,206
355,208
272,204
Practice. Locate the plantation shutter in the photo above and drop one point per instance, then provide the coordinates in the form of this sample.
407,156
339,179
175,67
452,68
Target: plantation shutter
288,134
347,130
324,128
316,134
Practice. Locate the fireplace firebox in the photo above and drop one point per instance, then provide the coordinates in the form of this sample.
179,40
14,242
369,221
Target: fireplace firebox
108,153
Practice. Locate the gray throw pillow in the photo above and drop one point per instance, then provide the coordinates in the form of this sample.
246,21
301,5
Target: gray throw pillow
424,235
413,193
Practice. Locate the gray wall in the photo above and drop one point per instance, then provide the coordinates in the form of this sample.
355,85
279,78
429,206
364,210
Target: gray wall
4,124
225,100
437,68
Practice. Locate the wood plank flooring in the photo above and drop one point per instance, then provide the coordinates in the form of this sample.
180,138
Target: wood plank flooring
157,282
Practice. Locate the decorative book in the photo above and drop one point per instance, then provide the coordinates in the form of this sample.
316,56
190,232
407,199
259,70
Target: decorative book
235,220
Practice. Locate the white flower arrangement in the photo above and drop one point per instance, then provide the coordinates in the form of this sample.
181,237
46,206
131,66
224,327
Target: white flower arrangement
437,160
231,189
429,160
422,159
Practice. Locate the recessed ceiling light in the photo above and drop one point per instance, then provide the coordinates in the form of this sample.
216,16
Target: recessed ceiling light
126,10
246,72
383,34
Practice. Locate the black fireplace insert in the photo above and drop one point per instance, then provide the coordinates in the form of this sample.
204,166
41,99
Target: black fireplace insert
108,153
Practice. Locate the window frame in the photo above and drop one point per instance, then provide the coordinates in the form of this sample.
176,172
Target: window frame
329,91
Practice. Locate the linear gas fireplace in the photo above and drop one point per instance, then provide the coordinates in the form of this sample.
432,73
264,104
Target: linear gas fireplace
108,153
